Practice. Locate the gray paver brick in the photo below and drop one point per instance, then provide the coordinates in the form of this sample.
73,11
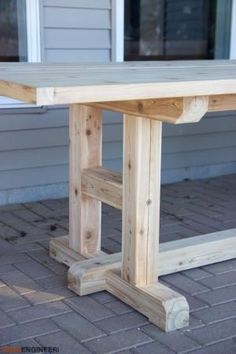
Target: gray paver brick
221,267
49,295
55,281
194,302
89,308
5,247
6,268
194,323
213,333
183,283
10,300
103,297
176,341
77,326
13,258
217,313
23,343
220,281
122,322
64,342
5,320
226,347
20,282
32,246
153,348
117,342
25,331
34,269
42,257
38,312
219,296
197,273
118,307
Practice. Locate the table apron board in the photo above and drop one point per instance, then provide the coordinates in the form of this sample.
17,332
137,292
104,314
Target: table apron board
132,275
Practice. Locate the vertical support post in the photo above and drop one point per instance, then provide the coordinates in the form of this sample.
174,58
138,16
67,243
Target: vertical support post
141,200
85,132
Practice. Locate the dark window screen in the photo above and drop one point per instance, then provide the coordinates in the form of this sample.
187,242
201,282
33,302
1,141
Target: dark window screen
13,37
176,29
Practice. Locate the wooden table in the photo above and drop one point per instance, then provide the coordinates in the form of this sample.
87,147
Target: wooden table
147,94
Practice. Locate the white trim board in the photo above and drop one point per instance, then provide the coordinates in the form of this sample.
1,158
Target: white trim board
118,14
233,32
33,30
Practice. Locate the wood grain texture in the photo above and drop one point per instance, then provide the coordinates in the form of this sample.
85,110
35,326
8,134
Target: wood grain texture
175,256
141,199
85,151
103,185
81,83
89,276
168,110
164,307
60,251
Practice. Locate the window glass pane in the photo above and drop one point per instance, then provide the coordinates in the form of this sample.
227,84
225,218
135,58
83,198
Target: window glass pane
13,34
177,29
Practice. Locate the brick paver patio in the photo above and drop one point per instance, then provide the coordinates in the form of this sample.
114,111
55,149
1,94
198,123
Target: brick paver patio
37,309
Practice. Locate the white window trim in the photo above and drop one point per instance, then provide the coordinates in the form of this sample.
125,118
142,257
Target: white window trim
118,10
33,30
233,32
33,46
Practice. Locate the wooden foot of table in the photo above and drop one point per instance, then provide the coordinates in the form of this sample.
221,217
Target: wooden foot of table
163,306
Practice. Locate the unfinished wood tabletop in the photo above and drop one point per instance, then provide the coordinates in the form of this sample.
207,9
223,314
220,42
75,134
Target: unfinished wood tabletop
50,84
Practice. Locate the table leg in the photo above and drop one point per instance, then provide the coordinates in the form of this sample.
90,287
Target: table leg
85,131
141,201
135,279
137,284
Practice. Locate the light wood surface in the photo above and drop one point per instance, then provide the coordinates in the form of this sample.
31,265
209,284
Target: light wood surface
48,84
172,110
141,199
85,151
104,185
176,110
174,256
164,307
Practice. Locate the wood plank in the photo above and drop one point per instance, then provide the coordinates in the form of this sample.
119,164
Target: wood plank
164,307
103,185
141,202
60,251
18,91
173,110
170,110
85,151
89,276
83,83
222,103
174,256
197,251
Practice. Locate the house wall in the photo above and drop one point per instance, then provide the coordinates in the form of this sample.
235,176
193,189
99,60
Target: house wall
34,142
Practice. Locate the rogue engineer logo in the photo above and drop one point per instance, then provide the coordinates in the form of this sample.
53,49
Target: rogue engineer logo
17,349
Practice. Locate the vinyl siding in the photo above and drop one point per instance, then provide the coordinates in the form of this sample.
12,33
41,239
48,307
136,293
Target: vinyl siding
34,142
76,30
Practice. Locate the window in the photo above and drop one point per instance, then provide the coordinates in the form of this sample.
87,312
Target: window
177,29
13,39
19,36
